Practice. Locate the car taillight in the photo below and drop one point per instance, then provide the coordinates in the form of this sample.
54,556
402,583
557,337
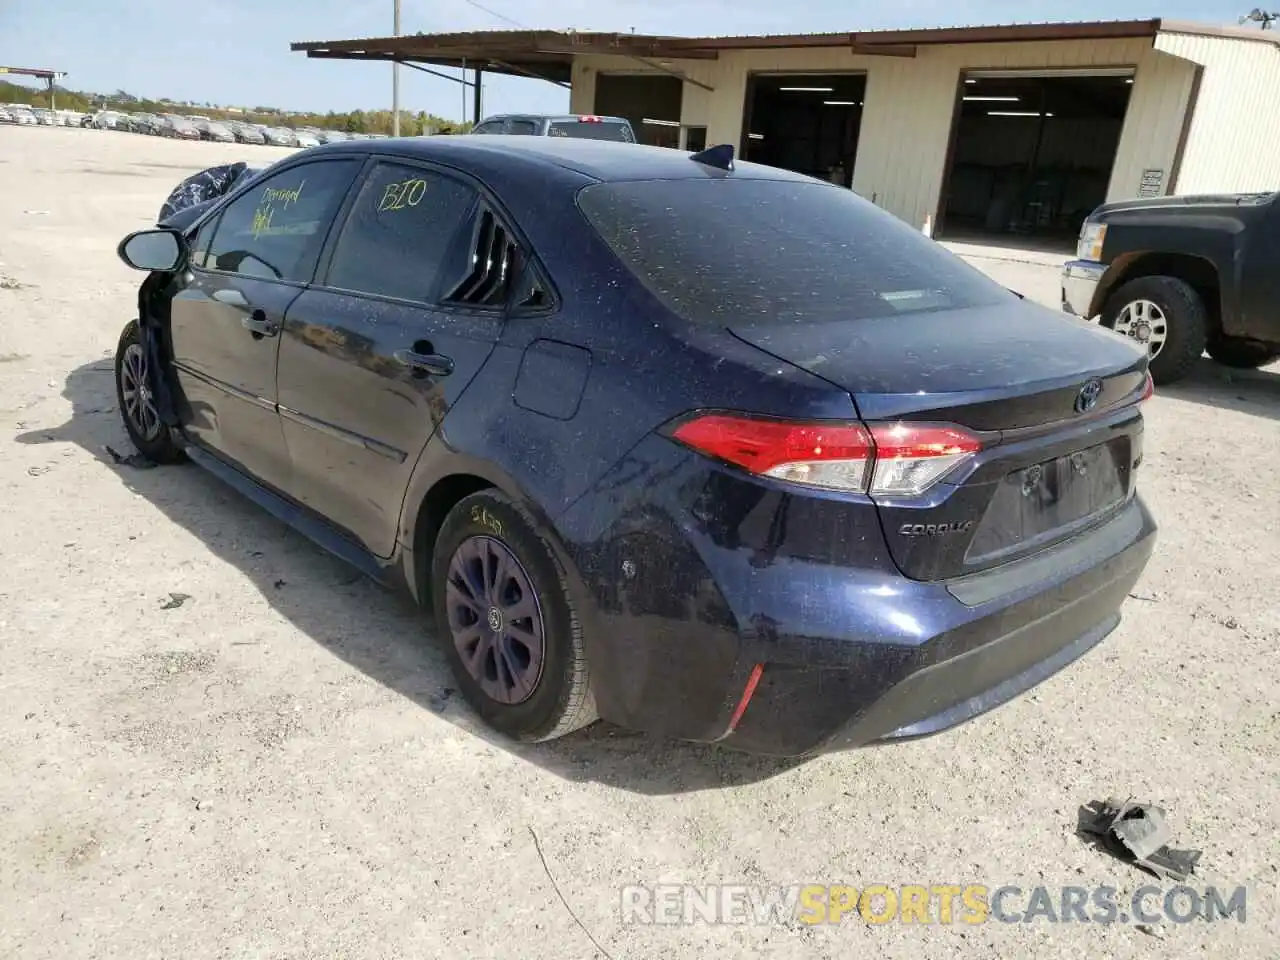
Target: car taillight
911,458
591,120
887,459
1148,389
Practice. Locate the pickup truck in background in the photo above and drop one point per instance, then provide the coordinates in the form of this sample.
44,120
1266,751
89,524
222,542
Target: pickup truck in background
1183,275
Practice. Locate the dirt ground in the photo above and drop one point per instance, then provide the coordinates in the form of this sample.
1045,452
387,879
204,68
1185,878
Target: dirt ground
278,768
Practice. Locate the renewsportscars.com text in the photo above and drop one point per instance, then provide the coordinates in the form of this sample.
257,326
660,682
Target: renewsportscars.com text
944,904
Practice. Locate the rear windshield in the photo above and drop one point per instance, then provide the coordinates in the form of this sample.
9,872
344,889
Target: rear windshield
729,252
592,130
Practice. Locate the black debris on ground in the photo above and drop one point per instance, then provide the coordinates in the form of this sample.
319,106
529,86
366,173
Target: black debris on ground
135,460
175,600
439,702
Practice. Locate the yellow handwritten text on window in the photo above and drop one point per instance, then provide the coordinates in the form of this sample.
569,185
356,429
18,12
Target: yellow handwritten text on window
285,196
402,194
272,199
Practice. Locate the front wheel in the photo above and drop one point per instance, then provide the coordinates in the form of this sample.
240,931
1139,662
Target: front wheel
1165,316
1242,354
136,399
505,615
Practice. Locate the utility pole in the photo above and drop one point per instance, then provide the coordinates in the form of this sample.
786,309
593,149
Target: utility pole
395,79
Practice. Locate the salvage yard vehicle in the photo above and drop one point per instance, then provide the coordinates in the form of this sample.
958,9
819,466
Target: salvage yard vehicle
703,448
280,137
1180,275
557,125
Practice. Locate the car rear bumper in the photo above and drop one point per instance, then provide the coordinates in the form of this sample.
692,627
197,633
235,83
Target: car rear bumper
686,617
1080,279
1029,620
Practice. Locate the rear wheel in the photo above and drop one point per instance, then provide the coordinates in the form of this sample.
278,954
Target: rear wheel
504,613
1164,315
137,402
1242,354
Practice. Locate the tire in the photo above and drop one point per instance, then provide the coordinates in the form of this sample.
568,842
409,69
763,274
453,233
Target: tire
1242,354
138,412
555,697
1186,322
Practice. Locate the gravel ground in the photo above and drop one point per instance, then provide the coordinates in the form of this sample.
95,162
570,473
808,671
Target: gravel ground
277,767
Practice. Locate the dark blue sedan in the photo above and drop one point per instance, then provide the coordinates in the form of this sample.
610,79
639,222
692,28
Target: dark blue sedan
705,449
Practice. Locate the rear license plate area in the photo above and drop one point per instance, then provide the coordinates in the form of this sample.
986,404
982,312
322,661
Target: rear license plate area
1050,500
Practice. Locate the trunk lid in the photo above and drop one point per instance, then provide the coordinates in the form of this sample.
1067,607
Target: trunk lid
1016,375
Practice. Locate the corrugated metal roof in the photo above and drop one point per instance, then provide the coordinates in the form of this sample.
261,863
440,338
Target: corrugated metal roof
548,54
942,34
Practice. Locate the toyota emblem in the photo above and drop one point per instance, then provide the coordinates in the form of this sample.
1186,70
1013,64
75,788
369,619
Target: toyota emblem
1088,396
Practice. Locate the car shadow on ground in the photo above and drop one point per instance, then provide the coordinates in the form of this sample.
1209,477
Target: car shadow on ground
1255,392
373,629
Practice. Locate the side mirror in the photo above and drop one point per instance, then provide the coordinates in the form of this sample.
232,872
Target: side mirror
160,250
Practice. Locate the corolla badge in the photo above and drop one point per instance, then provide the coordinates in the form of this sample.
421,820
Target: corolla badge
1088,396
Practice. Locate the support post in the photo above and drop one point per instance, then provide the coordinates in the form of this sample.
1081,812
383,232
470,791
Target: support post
395,76
476,92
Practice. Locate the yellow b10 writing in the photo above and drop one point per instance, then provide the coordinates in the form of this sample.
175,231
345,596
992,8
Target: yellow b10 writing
401,194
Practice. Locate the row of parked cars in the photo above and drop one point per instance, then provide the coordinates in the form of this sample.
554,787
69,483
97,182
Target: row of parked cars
195,127
26,115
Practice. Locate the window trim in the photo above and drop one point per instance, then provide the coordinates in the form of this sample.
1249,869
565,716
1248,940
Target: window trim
360,163
485,199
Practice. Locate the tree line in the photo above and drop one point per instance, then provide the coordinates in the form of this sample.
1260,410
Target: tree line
355,121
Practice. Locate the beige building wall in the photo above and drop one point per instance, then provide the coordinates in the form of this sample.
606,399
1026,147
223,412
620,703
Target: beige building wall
1154,124
910,102
1233,142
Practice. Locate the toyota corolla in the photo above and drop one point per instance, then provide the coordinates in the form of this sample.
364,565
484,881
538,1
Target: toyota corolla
699,447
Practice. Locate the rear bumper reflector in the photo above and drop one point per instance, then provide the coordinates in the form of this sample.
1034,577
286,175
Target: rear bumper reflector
748,691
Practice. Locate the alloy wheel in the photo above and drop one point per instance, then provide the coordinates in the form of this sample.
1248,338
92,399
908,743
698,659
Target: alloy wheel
135,391
495,619
1143,322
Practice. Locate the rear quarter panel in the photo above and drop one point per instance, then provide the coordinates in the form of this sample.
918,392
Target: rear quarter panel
640,367
594,470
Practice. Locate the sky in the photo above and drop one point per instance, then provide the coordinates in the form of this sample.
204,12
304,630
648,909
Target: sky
236,52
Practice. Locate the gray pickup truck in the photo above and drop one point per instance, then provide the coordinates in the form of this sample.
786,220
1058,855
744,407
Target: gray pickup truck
1182,275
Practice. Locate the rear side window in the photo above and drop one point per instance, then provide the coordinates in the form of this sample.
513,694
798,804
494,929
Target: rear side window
592,130
729,251
523,128
275,231
400,229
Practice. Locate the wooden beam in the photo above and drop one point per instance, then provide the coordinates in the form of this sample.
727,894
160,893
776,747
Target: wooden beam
514,68
656,51
873,50
803,40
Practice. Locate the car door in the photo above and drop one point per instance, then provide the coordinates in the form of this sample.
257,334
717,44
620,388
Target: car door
247,265
371,360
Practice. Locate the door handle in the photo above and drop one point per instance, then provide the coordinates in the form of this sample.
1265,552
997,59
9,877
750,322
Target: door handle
231,297
258,324
432,363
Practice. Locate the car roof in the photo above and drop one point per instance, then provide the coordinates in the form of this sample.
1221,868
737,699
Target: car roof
604,160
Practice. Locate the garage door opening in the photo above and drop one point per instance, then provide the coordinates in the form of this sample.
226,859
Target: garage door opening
807,123
651,103
1031,156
